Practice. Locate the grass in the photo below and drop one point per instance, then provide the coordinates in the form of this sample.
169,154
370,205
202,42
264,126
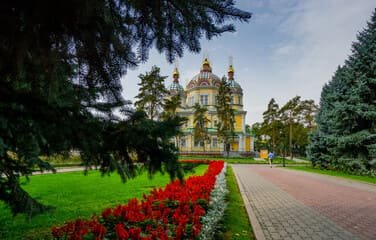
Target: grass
335,173
74,196
236,218
244,160
279,160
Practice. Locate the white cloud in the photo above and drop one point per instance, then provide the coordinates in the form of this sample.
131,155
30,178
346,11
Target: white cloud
319,33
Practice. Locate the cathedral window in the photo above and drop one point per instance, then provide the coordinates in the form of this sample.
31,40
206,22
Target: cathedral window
183,142
204,99
215,142
192,100
232,100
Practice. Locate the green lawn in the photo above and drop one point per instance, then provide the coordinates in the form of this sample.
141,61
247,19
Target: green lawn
74,195
244,160
367,179
236,218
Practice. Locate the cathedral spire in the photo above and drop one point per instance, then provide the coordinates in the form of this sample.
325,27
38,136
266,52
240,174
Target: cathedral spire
231,70
206,64
175,73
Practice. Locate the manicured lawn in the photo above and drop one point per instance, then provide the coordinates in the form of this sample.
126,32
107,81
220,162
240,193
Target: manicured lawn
288,161
243,160
74,196
236,219
334,173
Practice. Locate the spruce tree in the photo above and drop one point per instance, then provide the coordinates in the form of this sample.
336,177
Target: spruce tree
60,67
152,93
347,116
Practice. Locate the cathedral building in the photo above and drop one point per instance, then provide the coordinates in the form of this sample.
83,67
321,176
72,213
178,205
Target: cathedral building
203,89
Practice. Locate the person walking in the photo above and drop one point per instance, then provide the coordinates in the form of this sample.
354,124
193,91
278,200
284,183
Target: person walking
270,157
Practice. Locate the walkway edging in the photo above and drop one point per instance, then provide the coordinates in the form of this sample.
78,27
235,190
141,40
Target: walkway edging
256,227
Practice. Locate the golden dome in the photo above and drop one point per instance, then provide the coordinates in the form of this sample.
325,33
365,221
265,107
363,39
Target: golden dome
206,66
230,69
175,72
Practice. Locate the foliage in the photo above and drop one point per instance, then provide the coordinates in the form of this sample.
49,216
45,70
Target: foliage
346,134
226,116
60,67
170,106
285,130
270,123
174,212
152,92
200,130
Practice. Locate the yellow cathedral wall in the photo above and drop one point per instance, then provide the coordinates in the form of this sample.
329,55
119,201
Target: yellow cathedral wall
247,143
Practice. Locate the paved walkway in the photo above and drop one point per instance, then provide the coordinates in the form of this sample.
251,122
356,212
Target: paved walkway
291,204
61,170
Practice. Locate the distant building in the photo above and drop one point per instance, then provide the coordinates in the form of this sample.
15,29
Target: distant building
203,89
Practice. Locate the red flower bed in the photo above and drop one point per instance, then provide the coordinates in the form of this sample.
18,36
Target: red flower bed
170,213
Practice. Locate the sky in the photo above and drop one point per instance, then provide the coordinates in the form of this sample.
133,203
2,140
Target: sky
288,48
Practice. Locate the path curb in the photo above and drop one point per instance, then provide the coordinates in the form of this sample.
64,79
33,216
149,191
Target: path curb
257,230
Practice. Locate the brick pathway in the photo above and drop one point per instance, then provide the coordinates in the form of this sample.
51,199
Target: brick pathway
296,205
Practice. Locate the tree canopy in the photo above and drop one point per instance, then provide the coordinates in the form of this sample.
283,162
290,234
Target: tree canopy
226,115
346,135
60,68
200,129
152,93
285,130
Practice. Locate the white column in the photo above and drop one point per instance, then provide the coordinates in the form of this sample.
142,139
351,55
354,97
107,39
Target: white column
241,143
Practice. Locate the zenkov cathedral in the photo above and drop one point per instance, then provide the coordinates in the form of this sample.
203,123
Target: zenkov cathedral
203,89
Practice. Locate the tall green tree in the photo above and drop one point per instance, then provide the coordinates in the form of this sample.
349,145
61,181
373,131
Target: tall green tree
288,127
290,115
308,111
270,123
257,132
200,121
60,69
171,105
152,93
346,133
226,115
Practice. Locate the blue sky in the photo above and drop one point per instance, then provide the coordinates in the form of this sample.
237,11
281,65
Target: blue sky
289,48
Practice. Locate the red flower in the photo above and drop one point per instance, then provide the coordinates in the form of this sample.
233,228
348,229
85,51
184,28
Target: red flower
163,214
121,233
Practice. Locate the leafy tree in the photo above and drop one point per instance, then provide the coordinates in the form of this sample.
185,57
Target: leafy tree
226,116
346,134
248,129
257,132
60,68
200,130
152,93
288,128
